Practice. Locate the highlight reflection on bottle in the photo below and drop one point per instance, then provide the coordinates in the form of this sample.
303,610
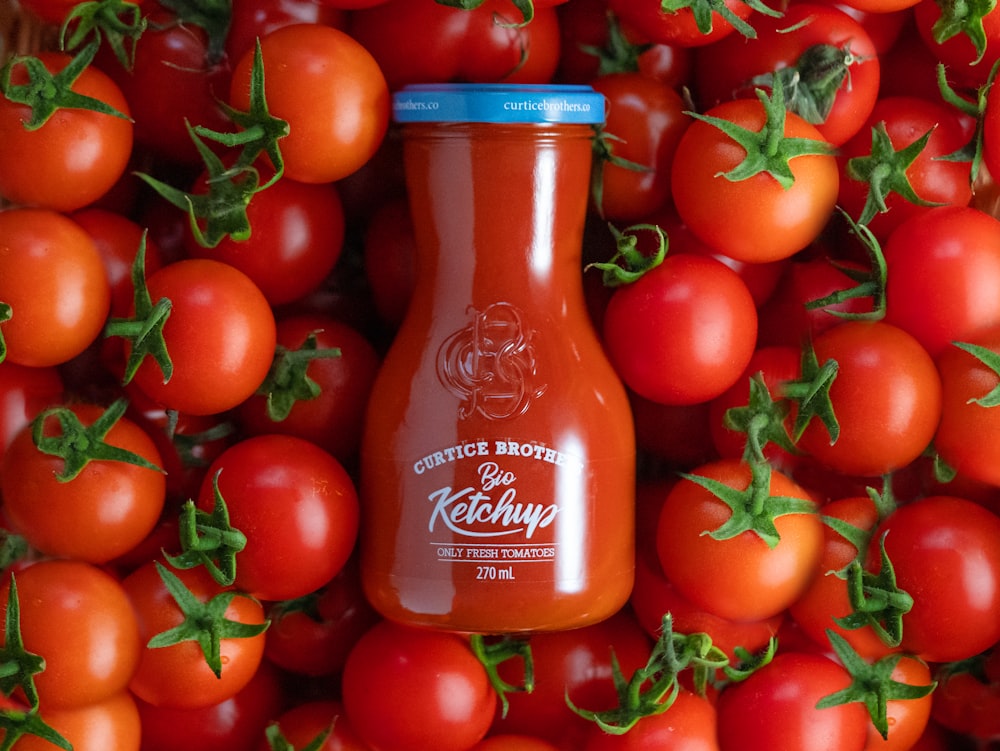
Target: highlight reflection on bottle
498,459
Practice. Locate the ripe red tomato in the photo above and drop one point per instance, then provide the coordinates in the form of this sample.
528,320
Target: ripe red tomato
24,392
94,660
741,578
255,18
945,551
816,41
179,675
776,708
764,221
483,44
966,436
53,279
98,515
442,696
301,724
513,743
680,27
111,724
886,397
297,237
297,506
683,332
77,156
940,268
688,725
644,122
906,719
333,419
331,92
220,336
951,36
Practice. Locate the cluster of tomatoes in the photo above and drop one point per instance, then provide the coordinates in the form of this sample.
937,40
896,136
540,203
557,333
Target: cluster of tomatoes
792,258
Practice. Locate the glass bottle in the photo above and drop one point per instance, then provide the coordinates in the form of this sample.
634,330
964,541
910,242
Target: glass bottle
498,461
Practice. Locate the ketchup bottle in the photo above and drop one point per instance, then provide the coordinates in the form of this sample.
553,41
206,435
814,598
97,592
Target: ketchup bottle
498,462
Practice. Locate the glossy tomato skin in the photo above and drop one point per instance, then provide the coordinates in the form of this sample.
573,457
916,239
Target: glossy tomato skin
934,179
442,697
255,18
24,392
110,724
726,69
76,156
95,659
52,277
741,578
455,44
886,396
688,725
940,268
334,419
513,743
683,332
297,506
173,81
231,725
966,66
945,551
220,336
297,238
302,723
826,598
907,719
178,676
645,119
764,221
574,663
776,708
679,27
966,437
331,92
107,509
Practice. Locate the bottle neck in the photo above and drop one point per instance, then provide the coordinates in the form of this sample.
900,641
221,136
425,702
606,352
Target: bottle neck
498,212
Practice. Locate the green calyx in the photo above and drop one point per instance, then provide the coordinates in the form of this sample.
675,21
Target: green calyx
963,17
629,263
991,360
204,622
872,684
525,7
810,87
884,169
118,22
762,420
213,16
208,539
618,54
603,155
6,313
812,394
876,600
145,329
703,11
221,212
45,93
754,508
871,282
491,654
288,381
972,150
276,740
653,688
78,445
768,150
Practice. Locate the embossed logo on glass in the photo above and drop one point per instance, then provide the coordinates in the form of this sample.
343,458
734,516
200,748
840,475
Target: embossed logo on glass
490,364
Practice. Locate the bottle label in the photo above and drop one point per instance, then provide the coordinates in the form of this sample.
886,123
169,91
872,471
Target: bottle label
495,504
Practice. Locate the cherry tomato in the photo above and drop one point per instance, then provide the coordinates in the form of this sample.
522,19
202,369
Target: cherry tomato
683,332
301,724
688,725
76,156
255,18
53,279
220,336
94,660
680,27
24,392
954,46
111,724
441,697
513,743
98,515
179,675
331,92
297,506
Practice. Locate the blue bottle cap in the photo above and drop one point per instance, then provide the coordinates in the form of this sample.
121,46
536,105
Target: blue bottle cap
498,103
